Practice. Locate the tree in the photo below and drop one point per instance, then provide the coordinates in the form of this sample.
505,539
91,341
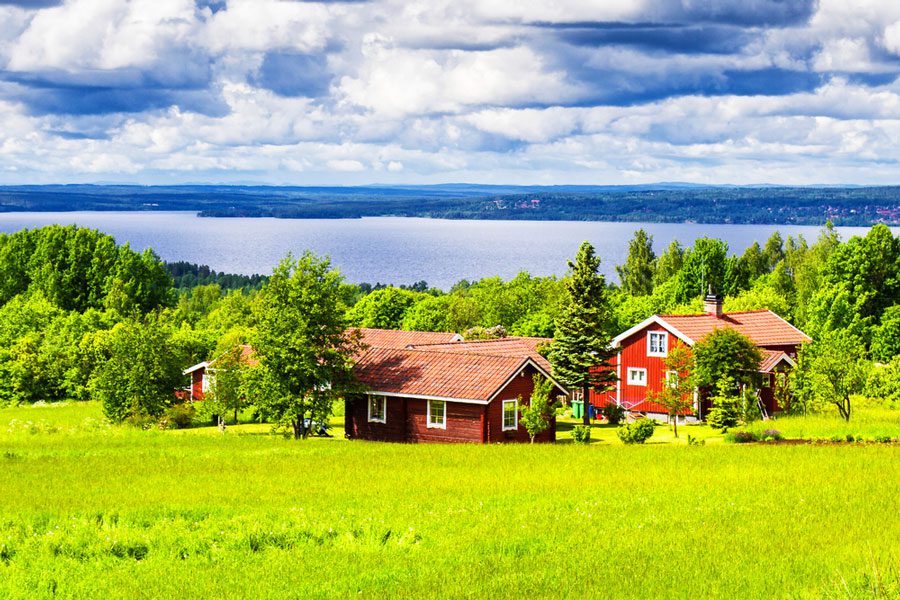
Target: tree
677,394
636,275
305,352
726,353
383,308
886,336
830,370
137,374
669,263
537,415
227,392
581,352
704,265
774,251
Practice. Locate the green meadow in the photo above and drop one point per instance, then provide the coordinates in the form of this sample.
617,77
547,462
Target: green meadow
89,510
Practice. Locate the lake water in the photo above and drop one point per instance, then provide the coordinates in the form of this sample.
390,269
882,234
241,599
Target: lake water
394,249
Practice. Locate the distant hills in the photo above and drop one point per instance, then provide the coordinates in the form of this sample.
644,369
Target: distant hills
662,202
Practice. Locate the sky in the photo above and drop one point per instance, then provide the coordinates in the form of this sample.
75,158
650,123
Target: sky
439,91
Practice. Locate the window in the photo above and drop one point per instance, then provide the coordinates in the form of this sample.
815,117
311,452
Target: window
437,414
637,376
206,382
377,409
510,415
672,378
657,343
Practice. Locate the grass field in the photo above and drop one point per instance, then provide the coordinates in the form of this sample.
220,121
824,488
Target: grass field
88,510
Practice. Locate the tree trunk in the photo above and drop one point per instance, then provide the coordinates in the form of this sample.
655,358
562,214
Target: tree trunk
844,408
585,418
297,425
675,424
235,415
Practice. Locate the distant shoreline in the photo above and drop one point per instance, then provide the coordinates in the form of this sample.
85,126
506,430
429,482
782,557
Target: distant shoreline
665,203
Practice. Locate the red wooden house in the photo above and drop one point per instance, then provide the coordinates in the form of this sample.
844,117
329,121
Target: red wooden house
642,350
443,391
203,373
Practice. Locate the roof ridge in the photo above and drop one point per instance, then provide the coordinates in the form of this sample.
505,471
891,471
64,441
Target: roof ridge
449,352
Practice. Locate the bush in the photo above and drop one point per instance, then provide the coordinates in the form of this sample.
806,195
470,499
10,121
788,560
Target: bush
581,434
771,434
741,437
692,441
883,439
637,432
178,416
613,413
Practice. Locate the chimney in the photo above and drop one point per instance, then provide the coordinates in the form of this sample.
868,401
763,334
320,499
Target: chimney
712,304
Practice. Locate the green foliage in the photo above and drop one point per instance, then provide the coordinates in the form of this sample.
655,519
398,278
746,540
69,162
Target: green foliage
179,416
725,354
726,405
886,336
636,432
613,413
452,312
537,415
228,389
704,265
581,434
581,350
137,373
637,274
669,263
883,382
302,342
829,371
383,309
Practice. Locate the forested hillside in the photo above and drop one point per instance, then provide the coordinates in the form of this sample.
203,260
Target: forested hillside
668,203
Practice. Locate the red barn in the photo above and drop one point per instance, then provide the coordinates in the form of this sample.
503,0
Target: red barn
443,391
640,361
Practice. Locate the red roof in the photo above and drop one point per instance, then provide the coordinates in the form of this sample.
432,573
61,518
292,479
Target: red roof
248,356
513,346
398,339
435,374
763,327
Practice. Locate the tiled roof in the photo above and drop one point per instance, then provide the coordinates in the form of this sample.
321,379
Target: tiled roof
394,338
514,346
248,357
436,374
764,327
771,358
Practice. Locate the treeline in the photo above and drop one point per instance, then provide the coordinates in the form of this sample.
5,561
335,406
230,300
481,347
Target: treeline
672,203
186,275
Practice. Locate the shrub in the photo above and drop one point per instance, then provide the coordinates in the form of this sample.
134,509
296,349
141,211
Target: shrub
740,437
883,439
637,432
692,441
581,434
613,413
850,437
178,416
771,434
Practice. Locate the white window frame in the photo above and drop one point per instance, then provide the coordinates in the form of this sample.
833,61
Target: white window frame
515,426
632,381
671,378
428,422
375,419
206,382
665,343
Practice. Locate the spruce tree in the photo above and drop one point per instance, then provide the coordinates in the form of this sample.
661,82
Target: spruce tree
581,352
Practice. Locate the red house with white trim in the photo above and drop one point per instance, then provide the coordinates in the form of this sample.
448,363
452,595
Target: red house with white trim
203,373
424,390
642,350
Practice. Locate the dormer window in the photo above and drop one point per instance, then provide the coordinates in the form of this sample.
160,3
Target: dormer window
657,343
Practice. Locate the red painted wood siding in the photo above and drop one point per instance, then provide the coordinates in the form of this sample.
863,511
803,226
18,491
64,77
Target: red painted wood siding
521,385
197,385
633,353
472,423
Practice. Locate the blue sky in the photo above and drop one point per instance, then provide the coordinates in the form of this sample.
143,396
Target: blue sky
430,91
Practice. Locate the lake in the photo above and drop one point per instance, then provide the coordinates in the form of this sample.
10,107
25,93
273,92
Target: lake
394,249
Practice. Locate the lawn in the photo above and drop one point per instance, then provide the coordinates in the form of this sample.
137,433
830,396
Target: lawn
88,510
